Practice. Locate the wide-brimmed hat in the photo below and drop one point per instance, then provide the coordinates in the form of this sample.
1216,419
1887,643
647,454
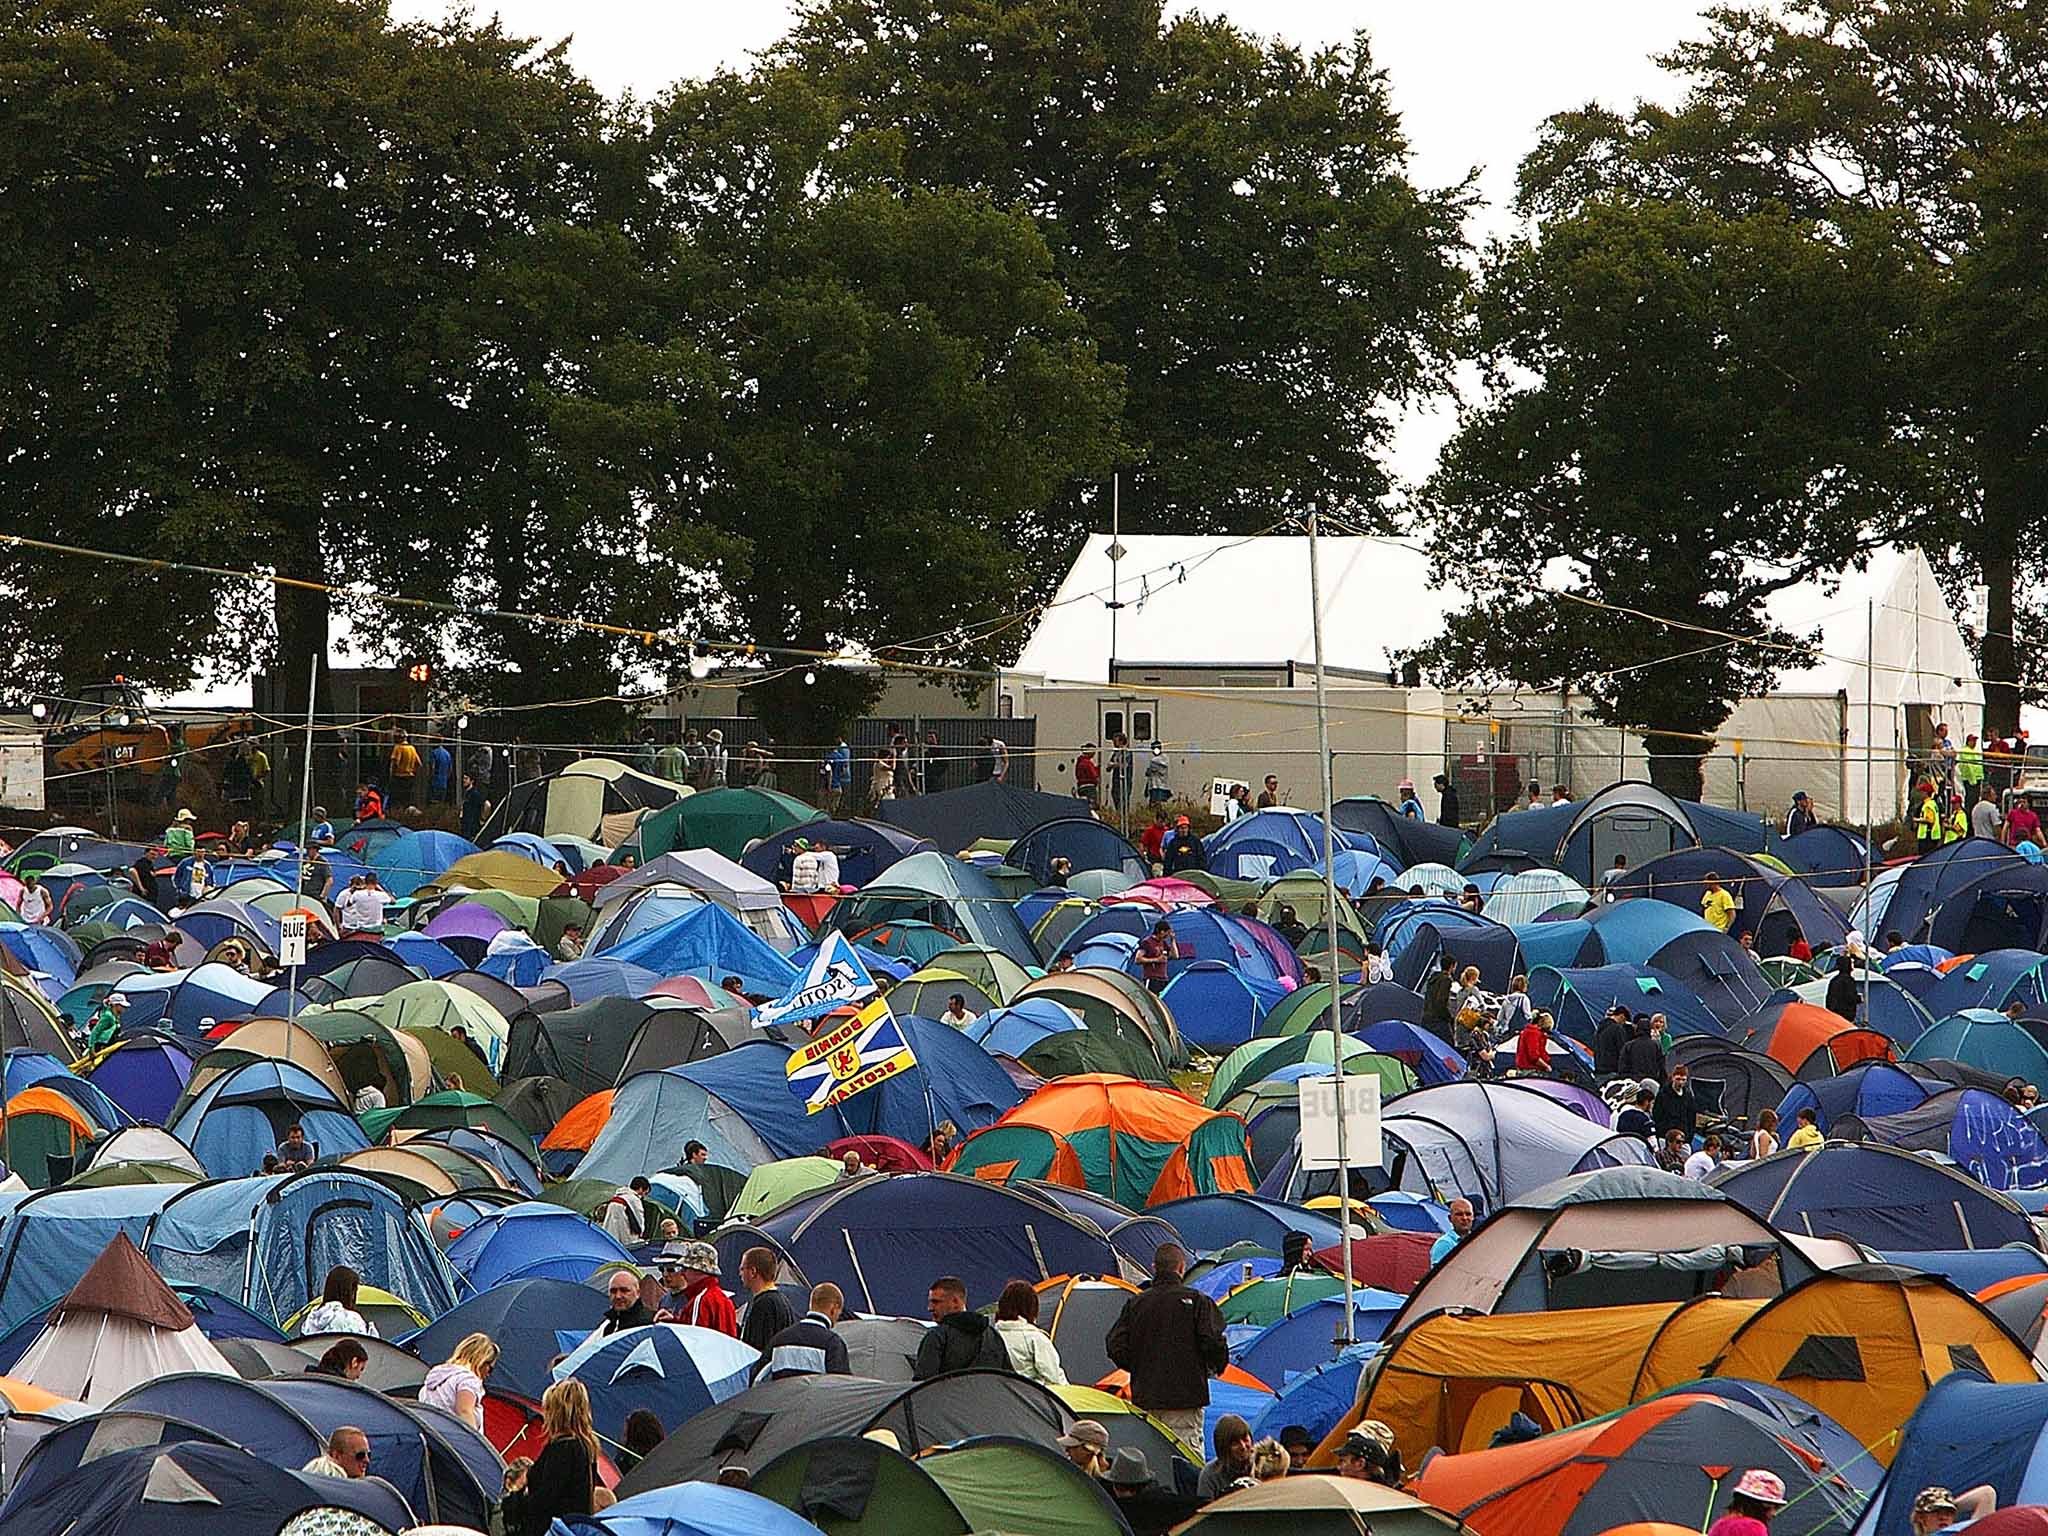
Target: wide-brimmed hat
1764,1487
1085,1432
1129,1469
184,814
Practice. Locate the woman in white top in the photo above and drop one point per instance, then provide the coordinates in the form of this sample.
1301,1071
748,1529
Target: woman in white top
336,1310
456,1385
1763,1141
1032,1352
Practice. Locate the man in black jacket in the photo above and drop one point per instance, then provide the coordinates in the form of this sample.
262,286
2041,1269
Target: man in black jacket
959,1340
1436,997
769,1312
627,1309
1609,1040
1642,1057
811,1345
1170,1338
1676,1107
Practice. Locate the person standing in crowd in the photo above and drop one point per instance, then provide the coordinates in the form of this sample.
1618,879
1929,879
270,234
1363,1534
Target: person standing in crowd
1717,906
714,759
1609,1040
1378,967
998,759
440,774
1154,952
1844,995
810,1346
1611,879
882,778
1763,1141
1170,1338
1269,795
931,764
1986,820
560,1483
1800,818
1677,1108
1636,1119
1233,1459
768,1310
959,1339
1087,774
402,770
689,1275
1516,1010
179,842
1970,767
1031,1350
1758,1497
1436,996
803,868
1461,1214
456,1385
336,1311
474,807
1158,773
1120,773
1407,801
1184,849
1806,1134
1448,812
627,1309
2022,825
1532,1045
1152,841
35,905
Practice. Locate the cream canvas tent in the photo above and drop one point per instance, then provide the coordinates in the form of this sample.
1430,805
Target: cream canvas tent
120,1327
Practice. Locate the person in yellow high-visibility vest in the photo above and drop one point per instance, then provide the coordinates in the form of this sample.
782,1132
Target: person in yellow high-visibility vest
1957,825
1927,820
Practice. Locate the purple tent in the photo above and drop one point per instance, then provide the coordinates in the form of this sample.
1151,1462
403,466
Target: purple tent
466,920
1580,1101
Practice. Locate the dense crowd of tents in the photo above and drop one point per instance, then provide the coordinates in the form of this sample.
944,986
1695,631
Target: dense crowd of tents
569,1006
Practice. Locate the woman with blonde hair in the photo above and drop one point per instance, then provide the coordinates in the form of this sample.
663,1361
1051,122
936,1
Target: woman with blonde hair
456,1385
1270,1460
561,1480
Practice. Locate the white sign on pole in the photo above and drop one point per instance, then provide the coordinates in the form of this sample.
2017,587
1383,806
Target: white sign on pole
1361,1121
292,938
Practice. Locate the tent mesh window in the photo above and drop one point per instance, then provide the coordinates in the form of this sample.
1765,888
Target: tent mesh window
1964,1357
1825,1357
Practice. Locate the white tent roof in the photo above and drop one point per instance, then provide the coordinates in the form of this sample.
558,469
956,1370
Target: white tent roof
1197,600
120,1327
1218,601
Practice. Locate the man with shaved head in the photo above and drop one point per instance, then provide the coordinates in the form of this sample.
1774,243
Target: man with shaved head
1170,1338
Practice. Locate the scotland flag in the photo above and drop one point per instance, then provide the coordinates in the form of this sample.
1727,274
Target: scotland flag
850,1058
836,979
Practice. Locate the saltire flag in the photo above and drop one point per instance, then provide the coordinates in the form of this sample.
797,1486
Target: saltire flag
850,1058
836,978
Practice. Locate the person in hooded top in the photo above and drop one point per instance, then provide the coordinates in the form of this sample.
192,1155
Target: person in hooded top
960,1339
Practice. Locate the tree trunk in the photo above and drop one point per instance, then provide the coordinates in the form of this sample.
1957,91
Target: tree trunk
1677,764
2004,495
302,621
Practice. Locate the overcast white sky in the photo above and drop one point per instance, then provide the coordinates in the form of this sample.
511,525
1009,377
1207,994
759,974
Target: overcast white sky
1472,78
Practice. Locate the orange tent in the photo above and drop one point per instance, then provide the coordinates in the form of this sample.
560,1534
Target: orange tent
1136,1143
22,1397
1801,1029
576,1130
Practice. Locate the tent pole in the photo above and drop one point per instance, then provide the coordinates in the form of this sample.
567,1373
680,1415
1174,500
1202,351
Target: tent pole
291,1002
1869,781
1346,1333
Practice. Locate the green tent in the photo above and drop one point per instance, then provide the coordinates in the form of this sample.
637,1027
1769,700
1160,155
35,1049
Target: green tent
1011,884
447,1111
1303,890
1304,1008
1231,895
725,820
132,1173
1106,1011
1260,1302
927,991
773,1185
988,968
1256,1060
441,1005
906,939
1099,882
1097,1050
1064,916
1001,1484
848,1485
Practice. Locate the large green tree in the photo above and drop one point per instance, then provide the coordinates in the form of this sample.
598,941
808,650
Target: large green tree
230,240
1683,414
1927,114
1235,220
903,390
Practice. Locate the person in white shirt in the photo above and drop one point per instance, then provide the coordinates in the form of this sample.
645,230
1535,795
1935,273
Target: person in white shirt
1560,796
956,1013
1706,1160
803,868
346,907
35,905
371,901
368,1097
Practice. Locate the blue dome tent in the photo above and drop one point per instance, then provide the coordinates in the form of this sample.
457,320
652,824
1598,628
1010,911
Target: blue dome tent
1415,934
614,974
943,891
531,1241
1275,841
1876,1196
1903,900
1966,1431
866,849
1578,999
269,1242
1866,1090
1217,1006
524,1319
1210,1223
242,1114
738,1104
1405,839
1827,858
408,863
49,1238
1718,971
1982,1134
181,1002
1083,842
855,1233
1977,1037
1014,1030
2002,909
1637,820
1629,932
1990,980
1773,907
145,1074
708,942
429,956
669,1369
1429,1058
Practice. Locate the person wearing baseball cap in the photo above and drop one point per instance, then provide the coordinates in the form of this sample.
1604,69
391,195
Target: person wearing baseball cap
1087,1446
1183,849
689,1274
1758,1496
